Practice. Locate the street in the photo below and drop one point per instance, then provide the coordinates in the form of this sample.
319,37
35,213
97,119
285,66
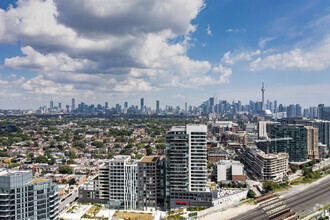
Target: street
68,200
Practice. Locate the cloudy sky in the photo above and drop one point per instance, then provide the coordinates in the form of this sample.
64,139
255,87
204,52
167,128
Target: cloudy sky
173,50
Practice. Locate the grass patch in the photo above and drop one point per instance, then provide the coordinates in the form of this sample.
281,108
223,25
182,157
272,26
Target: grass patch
134,215
303,180
92,211
282,188
174,214
71,209
247,201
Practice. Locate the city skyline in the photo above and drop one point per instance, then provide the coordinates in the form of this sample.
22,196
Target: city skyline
269,104
207,48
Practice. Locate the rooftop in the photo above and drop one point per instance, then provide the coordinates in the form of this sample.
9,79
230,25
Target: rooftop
38,180
273,155
148,159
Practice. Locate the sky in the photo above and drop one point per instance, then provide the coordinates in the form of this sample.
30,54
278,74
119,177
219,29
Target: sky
175,51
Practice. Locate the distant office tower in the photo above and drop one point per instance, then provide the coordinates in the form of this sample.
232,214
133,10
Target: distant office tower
157,106
106,105
142,104
211,101
118,108
315,112
60,105
306,113
281,108
73,105
268,104
51,104
275,106
239,106
185,106
187,158
25,198
263,95
324,112
291,111
126,105
271,106
258,106
298,111
67,107
311,112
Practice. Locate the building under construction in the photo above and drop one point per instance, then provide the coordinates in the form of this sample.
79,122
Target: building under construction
273,166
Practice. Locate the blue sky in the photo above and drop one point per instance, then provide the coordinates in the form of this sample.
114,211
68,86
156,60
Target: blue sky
181,51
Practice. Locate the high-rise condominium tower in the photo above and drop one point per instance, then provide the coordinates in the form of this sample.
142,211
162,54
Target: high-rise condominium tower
186,158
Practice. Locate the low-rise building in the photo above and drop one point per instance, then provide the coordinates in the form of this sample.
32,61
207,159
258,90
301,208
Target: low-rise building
230,170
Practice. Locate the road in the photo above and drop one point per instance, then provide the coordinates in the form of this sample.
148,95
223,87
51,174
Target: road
303,202
69,199
322,164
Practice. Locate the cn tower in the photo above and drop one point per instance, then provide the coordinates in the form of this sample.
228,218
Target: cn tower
263,95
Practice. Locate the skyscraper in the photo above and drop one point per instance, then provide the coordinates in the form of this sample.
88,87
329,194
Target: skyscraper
186,167
186,158
157,106
185,106
298,110
106,105
73,106
60,105
324,112
142,104
126,105
275,106
263,96
51,104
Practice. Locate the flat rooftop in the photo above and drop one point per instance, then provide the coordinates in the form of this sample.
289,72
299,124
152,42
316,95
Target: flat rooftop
38,181
148,159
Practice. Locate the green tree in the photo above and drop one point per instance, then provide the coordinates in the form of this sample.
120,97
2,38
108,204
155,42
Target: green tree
70,161
125,152
72,154
41,159
79,145
251,194
65,170
149,151
72,181
52,161
161,146
117,146
31,155
140,146
14,165
98,144
294,169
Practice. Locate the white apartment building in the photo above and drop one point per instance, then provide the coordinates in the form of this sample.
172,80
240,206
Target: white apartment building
187,158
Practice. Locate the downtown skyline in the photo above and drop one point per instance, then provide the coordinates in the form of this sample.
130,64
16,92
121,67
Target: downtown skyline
207,48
